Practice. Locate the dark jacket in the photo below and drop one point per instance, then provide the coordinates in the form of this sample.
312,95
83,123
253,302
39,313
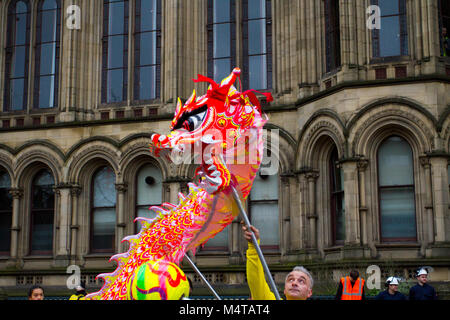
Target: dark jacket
425,292
385,295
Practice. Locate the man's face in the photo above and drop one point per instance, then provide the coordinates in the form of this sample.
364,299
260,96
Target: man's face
444,31
297,286
37,294
423,278
393,288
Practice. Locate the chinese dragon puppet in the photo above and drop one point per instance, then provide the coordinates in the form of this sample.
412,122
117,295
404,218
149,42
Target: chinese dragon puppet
225,128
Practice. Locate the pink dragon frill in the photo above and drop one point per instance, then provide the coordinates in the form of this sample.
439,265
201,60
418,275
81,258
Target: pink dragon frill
224,128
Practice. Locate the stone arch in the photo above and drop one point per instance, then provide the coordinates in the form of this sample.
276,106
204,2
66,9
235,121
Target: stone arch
410,121
7,165
366,136
38,153
88,154
320,128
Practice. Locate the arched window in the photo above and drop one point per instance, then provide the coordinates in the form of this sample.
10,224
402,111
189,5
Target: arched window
115,51
47,54
263,208
257,46
337,204
42,213
5,213
392,38
332,35
147,48
149,191
396,190
17,56
221,38
103,210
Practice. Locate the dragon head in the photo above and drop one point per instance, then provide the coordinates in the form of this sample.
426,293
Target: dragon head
214,119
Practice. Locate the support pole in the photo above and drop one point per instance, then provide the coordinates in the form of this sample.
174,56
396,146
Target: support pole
255,243
191,263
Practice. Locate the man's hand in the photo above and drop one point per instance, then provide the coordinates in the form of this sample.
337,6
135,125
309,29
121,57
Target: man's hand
248,233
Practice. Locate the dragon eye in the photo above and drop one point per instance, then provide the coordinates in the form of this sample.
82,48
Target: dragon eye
194,122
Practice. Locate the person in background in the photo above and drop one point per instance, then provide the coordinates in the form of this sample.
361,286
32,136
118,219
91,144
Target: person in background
298,283
80,292
422,290
351,287
391,293
36,293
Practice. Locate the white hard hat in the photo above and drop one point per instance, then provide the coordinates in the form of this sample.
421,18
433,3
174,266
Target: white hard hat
392,280
421,271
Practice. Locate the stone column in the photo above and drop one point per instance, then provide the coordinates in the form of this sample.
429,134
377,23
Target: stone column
15,227
285,205
64,213
352,221
428,225
311,177
362,166
120,210
439,177
74,226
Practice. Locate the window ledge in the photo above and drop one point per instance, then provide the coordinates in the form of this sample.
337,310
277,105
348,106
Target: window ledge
393,245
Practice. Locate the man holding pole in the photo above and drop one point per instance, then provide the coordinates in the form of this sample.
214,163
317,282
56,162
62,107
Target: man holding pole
298,284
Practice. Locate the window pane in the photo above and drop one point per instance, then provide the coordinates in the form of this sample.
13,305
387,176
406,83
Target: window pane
390,37
147,48
5,181
256,9
149,194
222,40
116,18
115,52
265,217
265,189
18,62
340,218
49,25
222,69
17,92
47,92
115,86
104,188
148,15
104,228
49,4
42,231
48,59
388,7
5,231
147,81
21,7
21,29
395,163
221,10
257,37
258,72
398,213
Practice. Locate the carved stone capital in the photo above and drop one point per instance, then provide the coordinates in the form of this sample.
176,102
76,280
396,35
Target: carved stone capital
425,161
362,164
121,187
16,193
312,176
75,191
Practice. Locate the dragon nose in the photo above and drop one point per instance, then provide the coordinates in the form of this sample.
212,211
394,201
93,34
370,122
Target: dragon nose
159,140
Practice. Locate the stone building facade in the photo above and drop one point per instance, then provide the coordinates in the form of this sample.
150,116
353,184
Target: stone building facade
361,115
